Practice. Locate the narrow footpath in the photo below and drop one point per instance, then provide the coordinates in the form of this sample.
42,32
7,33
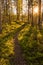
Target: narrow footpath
19,59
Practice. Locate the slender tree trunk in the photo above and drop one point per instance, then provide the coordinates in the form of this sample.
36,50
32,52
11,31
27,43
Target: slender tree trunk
6,7
40,22
28,11
4,11
18,10
32,17
0,20
9,11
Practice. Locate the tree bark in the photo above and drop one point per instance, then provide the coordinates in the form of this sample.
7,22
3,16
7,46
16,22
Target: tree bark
28,10
40,22
32,14
0,20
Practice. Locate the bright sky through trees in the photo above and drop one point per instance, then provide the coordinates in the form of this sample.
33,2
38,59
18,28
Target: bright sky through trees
25,7
35,10
14,9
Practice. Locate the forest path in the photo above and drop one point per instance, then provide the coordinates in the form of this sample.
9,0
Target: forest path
19,59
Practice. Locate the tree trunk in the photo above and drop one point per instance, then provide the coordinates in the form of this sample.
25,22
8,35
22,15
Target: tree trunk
32,16
28,11
0,20
18,10
40,22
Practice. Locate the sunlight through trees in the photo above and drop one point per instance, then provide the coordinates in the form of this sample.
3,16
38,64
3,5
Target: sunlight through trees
21,32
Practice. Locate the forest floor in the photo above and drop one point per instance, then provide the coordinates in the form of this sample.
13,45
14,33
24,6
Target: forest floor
19,59
18,53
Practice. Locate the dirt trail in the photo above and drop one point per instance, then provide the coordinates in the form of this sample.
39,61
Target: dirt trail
19,60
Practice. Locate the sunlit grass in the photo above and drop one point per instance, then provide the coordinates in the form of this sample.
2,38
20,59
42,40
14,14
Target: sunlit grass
6,28
11,45
31,41
23,32
4,61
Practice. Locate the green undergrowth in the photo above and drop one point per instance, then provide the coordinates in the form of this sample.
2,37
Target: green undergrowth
7,52
7,28
7,46
31,41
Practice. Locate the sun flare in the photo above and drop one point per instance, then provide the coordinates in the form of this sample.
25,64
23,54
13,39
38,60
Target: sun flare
35,10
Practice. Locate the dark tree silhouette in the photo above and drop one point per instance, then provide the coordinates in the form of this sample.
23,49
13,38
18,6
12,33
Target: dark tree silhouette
0,19
40,22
